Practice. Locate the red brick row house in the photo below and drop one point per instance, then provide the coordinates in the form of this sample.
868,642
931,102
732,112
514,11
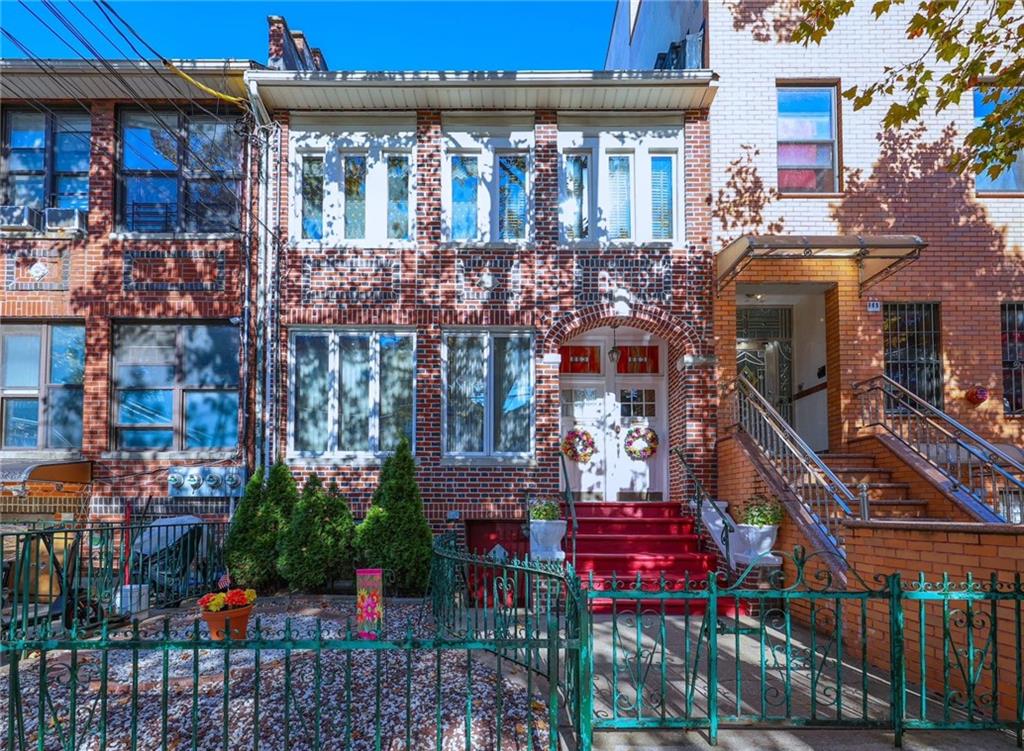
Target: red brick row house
126,237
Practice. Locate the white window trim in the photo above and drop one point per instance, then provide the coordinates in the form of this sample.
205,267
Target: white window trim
640,141
487,145
333,141
334,364
488,453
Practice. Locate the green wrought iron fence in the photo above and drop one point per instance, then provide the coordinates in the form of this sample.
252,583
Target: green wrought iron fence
512,600
80,576
797,649
514,654
299,684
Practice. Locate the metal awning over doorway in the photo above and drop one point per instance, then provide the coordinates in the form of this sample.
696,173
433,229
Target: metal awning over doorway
20,472
877,256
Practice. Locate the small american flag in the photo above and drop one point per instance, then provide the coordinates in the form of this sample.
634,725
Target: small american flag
225,581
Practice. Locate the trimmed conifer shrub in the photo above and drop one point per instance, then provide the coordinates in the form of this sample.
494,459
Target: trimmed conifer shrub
253,532
316,545
395,535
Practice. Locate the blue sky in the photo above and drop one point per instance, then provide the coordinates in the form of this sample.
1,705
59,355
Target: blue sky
380,35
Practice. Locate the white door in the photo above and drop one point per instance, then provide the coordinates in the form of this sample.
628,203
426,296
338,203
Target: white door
608,405
638,403
584,407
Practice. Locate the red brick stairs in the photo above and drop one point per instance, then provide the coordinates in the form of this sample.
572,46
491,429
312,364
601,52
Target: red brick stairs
645,538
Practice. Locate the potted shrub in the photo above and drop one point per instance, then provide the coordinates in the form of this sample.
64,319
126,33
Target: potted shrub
547,528
221,609
759,525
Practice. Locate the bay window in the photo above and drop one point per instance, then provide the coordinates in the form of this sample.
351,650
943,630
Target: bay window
488,407
176,387
179,173
351,391
47,159
42,369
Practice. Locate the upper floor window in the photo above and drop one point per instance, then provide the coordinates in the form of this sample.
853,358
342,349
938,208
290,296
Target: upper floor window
179,173
807,138
1011,179
47,159
620,184
42,369
488,406
352,181
352,391
176,387
486,183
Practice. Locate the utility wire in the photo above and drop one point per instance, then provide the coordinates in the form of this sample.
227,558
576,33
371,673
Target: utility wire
105,6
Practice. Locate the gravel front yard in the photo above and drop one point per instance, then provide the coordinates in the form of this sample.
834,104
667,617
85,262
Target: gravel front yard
376,682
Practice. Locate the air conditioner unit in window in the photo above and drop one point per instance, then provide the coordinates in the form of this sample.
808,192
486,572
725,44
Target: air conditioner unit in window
20,219
69,221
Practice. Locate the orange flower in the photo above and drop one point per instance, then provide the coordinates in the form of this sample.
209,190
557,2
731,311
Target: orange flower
236,598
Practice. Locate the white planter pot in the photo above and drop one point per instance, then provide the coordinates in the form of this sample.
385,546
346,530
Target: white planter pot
546,540
755,541
133,598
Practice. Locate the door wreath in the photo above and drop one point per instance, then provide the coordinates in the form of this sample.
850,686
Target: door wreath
641,442
578,446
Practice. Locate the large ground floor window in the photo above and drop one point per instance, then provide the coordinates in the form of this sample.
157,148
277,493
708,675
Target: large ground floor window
176,386
42,369
488,396
352,392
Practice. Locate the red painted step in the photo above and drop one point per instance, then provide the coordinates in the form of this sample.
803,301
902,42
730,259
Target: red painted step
633,527
649,564
649,539
650,543
652,510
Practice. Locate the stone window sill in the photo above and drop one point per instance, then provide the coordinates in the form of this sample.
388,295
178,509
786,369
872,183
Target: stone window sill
174,236
189,456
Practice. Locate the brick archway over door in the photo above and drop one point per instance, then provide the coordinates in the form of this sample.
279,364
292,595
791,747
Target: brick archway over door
692,396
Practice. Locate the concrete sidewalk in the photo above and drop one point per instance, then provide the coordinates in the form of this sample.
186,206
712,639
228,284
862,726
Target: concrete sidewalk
803,740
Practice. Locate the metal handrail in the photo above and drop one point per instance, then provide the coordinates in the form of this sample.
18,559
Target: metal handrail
697,501
570,503
819,490
991,477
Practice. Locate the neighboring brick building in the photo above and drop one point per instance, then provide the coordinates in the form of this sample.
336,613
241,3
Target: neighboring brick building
126,234
846,252
454,252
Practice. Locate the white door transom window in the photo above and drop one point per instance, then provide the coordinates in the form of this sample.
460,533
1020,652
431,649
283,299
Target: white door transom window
608,400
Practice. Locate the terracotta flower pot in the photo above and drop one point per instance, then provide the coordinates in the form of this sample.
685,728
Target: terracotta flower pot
217,622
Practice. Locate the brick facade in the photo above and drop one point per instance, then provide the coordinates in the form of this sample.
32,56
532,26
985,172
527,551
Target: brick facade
104,277
892,182
543,286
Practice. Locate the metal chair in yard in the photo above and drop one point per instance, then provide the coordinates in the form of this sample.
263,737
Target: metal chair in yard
40,583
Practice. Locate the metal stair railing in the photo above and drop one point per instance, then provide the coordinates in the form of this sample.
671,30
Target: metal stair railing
699,500
819,490
570,503
992,479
